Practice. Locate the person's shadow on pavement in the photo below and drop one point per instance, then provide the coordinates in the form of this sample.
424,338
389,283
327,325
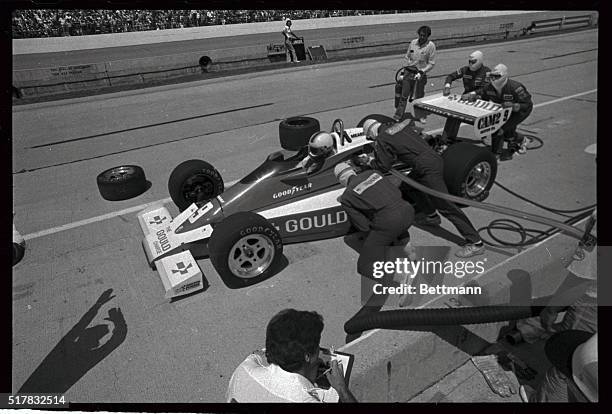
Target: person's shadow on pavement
78,351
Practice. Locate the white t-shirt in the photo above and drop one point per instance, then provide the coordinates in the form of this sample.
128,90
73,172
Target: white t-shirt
256,380
584,368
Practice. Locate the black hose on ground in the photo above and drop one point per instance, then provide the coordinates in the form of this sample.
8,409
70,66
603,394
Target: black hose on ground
406,318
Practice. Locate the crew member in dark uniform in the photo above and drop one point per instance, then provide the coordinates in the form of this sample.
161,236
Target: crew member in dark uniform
376,206
404,142
474,76
510,94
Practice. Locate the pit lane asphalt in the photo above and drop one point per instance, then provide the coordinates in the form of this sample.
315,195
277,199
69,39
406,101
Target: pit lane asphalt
185,351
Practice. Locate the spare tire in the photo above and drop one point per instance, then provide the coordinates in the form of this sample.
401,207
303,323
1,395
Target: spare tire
469,170
122,183
245,249
295,132
194,181
383,119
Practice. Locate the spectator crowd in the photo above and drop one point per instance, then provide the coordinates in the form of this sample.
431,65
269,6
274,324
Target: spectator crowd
54,23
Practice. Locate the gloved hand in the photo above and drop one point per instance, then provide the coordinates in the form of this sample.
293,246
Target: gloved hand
470,97
363,159
418,75
446,91
515,106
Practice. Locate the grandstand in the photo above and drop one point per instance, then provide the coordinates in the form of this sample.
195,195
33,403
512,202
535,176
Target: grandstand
36,23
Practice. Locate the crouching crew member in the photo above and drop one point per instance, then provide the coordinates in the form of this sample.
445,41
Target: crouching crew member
510,94
404,142
474,76
376,206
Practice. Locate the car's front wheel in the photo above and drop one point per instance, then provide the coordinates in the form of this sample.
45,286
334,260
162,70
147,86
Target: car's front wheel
469,170
194,181
245,249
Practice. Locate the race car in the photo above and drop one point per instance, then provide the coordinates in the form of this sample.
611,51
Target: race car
243,228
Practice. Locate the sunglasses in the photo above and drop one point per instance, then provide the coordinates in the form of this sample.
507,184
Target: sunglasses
494,75
472,61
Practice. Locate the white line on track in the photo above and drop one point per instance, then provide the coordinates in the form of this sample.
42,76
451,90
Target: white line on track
166,200
503,262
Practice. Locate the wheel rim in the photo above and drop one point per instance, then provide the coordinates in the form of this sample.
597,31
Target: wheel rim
117,174
250,256
198,187
478,179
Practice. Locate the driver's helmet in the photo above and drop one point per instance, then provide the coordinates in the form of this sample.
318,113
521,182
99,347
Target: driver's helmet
321,145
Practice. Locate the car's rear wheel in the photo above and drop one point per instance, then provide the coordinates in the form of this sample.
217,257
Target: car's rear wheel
245,249
383,119
295,132
469,170
194,181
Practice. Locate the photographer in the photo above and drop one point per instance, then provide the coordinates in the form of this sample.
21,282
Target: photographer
287,371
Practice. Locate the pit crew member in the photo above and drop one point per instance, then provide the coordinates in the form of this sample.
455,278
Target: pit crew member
376,206
290,37
421,53
510,94
404,142
320,146
474,76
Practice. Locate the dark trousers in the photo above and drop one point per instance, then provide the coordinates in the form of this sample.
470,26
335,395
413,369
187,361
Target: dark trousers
509,130
404,93
429,172
387,226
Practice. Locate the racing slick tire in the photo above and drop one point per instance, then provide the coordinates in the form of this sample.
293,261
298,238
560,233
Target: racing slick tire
295,132
194,181
469,170
122,183
245,249
383,119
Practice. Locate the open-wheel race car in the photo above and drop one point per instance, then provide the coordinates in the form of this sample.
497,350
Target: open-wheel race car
243,228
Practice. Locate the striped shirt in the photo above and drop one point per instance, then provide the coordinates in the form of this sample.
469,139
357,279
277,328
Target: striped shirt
256,380
420,57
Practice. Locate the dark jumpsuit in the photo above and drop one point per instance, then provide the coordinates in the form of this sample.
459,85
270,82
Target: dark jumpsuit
408,145
472,80
376,206
514,92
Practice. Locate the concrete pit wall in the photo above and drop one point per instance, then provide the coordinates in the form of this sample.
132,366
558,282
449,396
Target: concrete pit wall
396,365
455,30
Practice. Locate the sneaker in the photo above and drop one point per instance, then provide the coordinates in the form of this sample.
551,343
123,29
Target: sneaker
397,117
522,148
423,120
471,249
297,61
429,220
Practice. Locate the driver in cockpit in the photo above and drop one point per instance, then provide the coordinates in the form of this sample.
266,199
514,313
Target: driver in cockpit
320,147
